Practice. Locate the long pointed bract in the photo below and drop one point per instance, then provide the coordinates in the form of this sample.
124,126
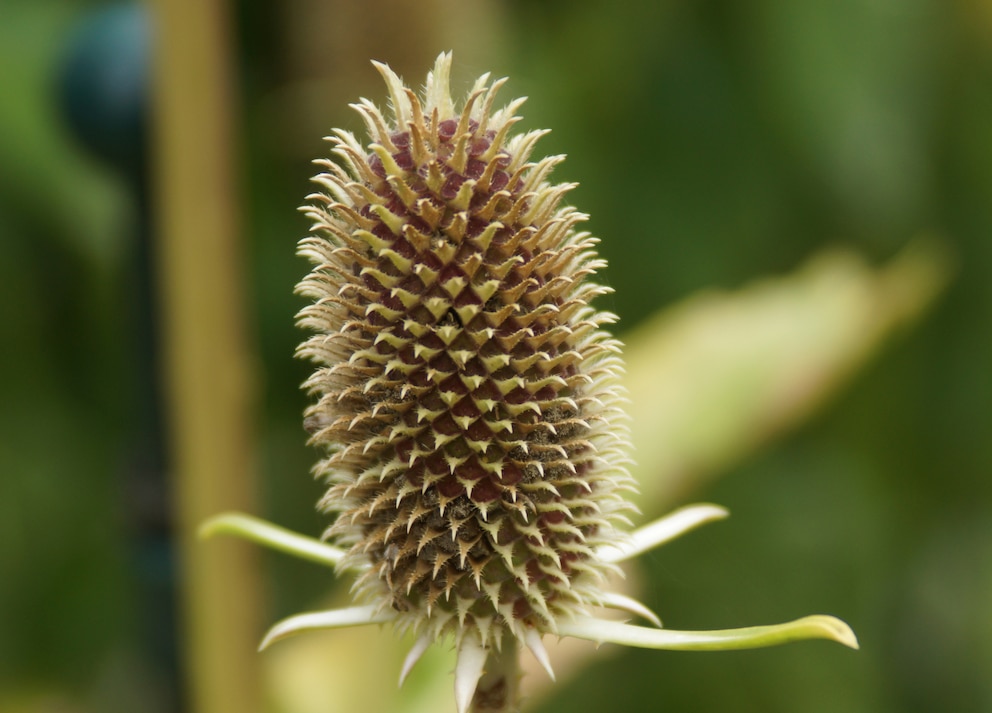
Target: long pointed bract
413,656
330,619
615,600
471,660
662,530
265,533
752,637
533,640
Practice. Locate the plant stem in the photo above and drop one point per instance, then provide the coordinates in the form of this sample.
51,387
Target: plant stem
209,358
498,691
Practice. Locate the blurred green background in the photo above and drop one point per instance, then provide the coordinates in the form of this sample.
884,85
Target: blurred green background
715,143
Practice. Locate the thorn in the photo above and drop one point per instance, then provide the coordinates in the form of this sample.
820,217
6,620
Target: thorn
533,641
468,671
419,647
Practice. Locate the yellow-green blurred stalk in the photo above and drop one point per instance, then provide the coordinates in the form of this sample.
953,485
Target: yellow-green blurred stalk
207,355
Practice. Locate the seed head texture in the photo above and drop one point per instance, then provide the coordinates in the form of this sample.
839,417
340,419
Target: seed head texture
466,394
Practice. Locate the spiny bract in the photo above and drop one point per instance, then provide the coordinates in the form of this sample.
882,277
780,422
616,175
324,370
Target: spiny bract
467,396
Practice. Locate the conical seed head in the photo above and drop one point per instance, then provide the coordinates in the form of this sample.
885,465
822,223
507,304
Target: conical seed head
466,393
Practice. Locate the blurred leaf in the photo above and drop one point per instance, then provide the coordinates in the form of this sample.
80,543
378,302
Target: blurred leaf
851,87
713,378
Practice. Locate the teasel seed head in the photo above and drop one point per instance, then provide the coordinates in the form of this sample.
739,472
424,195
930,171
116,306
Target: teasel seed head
466,393
467,399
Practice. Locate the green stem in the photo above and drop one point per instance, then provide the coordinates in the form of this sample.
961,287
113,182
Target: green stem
498,691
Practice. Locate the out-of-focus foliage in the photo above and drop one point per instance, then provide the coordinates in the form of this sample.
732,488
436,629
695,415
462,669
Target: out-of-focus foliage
716,143
65,606
719,374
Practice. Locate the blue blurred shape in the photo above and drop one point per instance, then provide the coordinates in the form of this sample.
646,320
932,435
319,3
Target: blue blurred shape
103,84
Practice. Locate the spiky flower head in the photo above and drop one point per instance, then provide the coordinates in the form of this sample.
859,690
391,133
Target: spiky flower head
467,398
467,395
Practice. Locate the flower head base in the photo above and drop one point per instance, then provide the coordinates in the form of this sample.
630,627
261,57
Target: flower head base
468,398
467,395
